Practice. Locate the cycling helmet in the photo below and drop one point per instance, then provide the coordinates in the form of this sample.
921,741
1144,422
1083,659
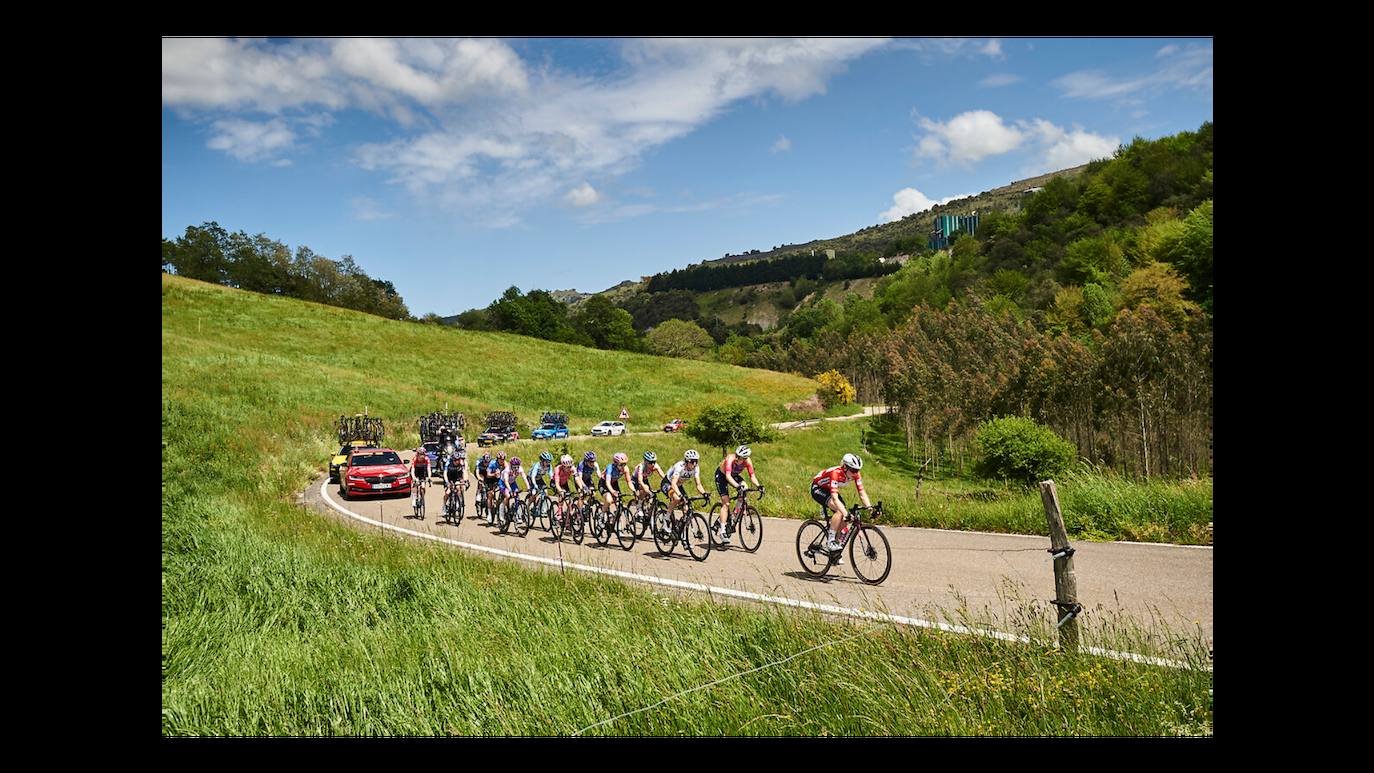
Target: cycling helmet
590,456
650,456
462,454
620,459
500,455
565,459
690,456
743,452
546,457
853,462
514,462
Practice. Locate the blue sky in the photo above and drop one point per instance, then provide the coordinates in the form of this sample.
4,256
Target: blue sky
458,167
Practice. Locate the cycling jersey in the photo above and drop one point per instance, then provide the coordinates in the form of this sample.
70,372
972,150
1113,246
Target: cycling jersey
736,465
642,472
540,472
831,480
613,473
454,473
509,480
680,472
588,472
562,476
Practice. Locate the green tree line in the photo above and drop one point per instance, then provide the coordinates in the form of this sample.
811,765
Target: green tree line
264,265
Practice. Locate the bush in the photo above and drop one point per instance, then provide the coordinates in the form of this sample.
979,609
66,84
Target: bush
835,389
726,426
1016,448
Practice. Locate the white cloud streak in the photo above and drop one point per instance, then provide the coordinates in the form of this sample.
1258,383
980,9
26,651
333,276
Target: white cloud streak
251,141
998,80
582,196
782,145
970,137
1188,66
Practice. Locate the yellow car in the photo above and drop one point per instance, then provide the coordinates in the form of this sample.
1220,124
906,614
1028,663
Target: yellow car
342,458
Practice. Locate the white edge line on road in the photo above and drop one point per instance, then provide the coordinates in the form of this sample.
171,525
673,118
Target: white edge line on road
682,584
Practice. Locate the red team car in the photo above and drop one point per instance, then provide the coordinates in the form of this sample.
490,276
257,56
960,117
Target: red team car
374,471
675,425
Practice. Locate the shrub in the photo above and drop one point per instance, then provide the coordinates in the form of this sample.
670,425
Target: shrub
1017,448
726,426
835,388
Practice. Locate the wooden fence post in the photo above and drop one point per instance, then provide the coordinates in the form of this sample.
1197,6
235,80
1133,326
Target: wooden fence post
1065,581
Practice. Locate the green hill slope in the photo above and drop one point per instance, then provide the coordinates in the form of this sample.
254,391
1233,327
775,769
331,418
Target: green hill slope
333,361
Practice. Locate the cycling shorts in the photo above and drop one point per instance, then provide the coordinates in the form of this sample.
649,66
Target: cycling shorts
723,485
605,490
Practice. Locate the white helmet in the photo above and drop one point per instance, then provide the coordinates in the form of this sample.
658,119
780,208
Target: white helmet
743,452
853,462
690,456
565,459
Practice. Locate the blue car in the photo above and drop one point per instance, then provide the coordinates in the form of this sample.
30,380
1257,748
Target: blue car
550,432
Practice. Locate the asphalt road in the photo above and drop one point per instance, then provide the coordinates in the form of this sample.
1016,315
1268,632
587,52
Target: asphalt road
931,567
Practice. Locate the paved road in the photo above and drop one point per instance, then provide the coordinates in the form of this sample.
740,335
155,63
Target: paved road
1167,582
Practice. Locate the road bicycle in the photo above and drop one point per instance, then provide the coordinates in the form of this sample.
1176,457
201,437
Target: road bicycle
418,504
643,505
691,528
869,552
617,521
453,502
541,508
742,519
513,512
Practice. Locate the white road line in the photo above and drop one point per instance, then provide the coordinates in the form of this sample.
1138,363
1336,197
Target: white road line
782,601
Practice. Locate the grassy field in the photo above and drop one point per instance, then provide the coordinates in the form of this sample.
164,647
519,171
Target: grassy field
278,621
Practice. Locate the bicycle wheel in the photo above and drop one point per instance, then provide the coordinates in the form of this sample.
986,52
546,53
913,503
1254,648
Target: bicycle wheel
810,541
458,507
579,524
604,526
665,536
521,517
625,527
750,529
696,536
643,515
503,516
870,555
556,524
546,514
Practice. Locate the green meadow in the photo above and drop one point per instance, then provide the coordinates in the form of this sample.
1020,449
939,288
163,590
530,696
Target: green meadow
278,621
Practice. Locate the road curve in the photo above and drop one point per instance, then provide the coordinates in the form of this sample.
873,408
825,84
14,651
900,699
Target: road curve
1169,583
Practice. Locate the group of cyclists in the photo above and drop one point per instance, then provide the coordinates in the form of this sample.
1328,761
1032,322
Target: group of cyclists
499,479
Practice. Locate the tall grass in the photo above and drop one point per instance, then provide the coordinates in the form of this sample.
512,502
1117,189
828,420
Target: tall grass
279,621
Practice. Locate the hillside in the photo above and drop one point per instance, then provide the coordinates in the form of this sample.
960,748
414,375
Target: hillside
764,304
340,361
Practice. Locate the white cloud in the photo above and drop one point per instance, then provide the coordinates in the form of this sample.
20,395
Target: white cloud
999,79
493,136
782,145
281,162
909,201
582,196
250,141
1187,66
968,137
1061,149
738,202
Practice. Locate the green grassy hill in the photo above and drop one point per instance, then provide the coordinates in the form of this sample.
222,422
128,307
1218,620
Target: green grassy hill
279,621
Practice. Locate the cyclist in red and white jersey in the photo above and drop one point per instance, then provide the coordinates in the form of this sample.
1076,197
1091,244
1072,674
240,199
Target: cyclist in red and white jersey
825,489
564,479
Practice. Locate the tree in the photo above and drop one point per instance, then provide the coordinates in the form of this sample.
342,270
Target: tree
1158,285
678,338
727,426
607,326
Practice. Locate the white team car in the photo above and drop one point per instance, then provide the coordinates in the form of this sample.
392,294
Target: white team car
609,428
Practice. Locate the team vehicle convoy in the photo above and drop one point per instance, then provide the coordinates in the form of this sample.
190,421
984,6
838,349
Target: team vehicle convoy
443,428
552,426
374,471
359,431
500,428
676,425
609,428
